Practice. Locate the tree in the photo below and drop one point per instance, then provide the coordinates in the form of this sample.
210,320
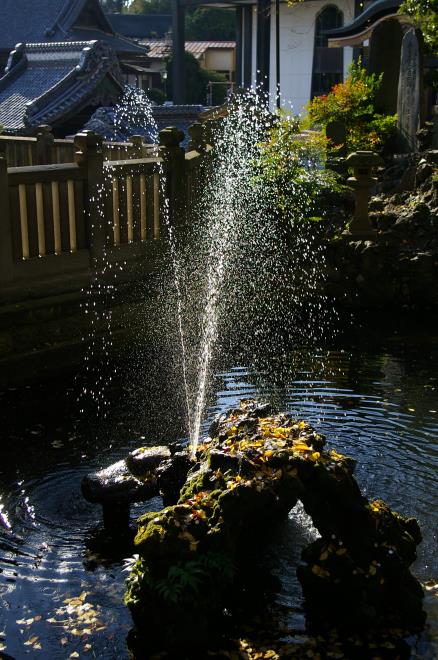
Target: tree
197,79
114,6
150,7
202,24
210,24
425,14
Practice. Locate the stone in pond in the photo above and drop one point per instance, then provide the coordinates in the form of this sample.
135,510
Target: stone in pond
144,459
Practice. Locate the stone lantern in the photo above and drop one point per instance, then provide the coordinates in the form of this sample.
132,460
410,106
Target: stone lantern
362,181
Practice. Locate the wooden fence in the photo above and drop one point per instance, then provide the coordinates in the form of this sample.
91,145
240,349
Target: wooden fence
69,219
44,149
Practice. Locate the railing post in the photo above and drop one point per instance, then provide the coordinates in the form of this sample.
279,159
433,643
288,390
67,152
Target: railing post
6,249
198,140
137,146
89,154
174,163
44,144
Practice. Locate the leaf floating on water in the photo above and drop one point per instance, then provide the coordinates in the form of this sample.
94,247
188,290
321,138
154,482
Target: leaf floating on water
31,641
57,444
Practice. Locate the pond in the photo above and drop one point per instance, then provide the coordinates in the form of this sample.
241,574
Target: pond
375,399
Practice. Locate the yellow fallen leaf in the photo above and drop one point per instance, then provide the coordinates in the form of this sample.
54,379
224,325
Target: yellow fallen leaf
75,654
319,571
31,641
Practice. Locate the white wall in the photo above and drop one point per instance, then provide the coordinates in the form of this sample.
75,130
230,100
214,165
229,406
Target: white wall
297,36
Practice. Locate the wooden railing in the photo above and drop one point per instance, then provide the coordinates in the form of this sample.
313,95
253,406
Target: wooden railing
44,149
66,220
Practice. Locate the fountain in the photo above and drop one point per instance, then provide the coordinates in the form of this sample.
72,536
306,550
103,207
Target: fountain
224,492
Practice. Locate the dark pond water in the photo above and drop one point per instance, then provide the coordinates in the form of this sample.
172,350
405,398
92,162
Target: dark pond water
376,401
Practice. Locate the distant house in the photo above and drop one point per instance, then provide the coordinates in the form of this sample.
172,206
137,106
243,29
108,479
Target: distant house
282,46
217,56
64,58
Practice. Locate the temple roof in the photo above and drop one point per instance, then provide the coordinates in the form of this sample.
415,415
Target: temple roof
39,21
44,82
361,27
141,26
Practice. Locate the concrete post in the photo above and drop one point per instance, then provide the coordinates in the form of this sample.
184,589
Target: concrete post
6,247
363,164
44,144
89,154
174,163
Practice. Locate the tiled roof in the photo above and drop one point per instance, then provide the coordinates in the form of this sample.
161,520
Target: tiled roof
158,49
27,20
118,42
38,21
140,26
46,81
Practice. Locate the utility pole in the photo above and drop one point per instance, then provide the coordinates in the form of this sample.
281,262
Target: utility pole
178,51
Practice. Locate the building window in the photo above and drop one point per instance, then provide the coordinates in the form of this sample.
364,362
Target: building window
328,63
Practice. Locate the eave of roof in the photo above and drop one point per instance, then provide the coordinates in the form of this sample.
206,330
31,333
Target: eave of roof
117,42
360,29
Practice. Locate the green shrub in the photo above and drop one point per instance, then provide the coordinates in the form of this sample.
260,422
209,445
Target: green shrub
291,169
352,103
156,95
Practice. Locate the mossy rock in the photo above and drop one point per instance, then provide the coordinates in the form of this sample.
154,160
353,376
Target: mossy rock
247,476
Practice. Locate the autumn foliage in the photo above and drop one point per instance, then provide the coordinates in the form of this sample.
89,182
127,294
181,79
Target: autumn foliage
352,103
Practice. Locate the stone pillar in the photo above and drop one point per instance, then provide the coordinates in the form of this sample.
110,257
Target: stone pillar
6,247
89,154
174,165
384,58
44,145
410,91
178,52
362,182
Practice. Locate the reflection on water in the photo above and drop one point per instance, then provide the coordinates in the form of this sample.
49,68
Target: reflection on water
379,406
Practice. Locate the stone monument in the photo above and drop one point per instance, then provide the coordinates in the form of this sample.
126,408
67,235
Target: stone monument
410,90
384,58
